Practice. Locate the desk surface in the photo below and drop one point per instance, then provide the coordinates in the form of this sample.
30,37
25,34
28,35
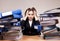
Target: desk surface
34,38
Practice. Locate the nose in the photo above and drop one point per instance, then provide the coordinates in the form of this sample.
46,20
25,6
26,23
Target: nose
30,15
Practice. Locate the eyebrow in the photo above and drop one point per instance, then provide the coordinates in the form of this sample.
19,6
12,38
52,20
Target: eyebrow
30,14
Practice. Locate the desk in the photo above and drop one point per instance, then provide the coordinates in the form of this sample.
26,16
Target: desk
34,38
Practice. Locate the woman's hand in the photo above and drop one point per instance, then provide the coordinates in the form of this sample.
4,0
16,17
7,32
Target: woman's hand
24,18
36,18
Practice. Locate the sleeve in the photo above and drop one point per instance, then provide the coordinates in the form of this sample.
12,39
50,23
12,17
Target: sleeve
22,24
37,22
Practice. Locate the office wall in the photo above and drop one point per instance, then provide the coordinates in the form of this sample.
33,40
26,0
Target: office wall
40,5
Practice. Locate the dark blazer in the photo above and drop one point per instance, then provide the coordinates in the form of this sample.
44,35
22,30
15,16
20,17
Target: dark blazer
27,30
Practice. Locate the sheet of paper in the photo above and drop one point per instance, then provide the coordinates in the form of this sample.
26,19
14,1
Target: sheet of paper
7,13
35,27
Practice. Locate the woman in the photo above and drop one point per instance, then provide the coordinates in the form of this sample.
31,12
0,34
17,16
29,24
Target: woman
29,22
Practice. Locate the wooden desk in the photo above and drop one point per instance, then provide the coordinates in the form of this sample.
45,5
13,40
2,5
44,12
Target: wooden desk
34,38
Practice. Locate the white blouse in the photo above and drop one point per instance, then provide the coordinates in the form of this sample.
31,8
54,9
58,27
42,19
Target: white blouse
30,23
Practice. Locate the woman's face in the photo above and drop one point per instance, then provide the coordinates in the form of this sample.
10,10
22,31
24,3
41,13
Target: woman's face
30,15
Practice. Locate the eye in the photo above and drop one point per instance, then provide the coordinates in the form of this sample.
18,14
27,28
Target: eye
28,14
32,14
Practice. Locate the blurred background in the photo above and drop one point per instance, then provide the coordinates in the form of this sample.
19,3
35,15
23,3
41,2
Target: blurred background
40,5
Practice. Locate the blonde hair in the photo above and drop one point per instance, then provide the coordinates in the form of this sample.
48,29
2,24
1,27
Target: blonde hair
28,10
